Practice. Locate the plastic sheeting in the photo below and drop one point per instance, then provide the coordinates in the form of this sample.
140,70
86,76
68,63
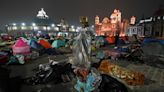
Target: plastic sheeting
82,49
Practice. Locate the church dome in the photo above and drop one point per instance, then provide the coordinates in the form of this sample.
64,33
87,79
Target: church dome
42,19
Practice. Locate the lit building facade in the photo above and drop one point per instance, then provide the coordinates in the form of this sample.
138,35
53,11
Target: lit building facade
110,26
135,30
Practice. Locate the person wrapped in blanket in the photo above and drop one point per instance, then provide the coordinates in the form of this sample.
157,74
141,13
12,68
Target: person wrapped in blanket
87,81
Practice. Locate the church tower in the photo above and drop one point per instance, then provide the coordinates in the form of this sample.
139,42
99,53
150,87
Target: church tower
97,20
133,20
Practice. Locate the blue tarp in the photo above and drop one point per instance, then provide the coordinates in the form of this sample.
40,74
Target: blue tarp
149,40
120,42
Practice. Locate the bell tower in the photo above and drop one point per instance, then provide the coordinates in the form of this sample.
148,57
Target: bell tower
97,20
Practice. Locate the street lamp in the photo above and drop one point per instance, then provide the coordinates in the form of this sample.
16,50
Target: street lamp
33,24
72,26
14,24
44,28
23,24
52,25
56,28
36,28
48,28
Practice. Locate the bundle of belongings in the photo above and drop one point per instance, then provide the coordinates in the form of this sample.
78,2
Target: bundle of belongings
114,54
53,72
87,81
132,78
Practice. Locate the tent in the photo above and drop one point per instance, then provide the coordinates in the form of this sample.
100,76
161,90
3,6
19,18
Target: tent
58,43
24,39
44,43
111,40
34,44
21,47
102,40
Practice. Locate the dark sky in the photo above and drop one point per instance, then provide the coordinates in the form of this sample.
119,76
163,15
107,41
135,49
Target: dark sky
25,10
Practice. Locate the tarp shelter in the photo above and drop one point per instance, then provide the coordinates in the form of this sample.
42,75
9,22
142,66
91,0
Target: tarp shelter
58,43
44,43
21,47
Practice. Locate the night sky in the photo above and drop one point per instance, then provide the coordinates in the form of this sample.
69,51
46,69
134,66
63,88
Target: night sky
25,10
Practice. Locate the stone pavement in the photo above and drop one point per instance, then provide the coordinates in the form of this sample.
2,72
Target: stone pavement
154,76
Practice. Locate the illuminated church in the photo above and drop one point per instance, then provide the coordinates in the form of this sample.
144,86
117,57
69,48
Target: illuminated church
110,26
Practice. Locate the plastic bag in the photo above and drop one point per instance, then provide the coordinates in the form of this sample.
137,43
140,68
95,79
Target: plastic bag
82,49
